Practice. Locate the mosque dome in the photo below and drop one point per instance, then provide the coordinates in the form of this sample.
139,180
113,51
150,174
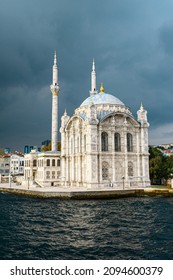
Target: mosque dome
102,98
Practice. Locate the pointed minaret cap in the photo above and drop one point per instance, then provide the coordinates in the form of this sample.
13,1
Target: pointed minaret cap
93,90
93,67
65,112
141,107
55,60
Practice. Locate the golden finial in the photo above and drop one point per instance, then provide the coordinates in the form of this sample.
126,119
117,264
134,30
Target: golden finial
102,90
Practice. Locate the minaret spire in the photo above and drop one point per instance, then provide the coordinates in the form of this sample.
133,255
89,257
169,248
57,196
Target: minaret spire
55,71
55,61
93,90
55,90
93,67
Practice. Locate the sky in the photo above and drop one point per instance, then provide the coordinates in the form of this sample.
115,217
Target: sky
130,40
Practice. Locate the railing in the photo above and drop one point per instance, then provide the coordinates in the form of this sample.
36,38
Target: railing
39,184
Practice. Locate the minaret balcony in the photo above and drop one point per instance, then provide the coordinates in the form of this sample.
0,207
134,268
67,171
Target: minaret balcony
55,88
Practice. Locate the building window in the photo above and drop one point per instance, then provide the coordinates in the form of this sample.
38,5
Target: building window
48,162
130,168
104,141
53,162
105,171
117,139
53,174
34,162
58,174
129,142
58,162
47,174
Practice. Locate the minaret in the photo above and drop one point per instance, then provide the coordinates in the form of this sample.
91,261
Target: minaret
55,90
142,115
93,90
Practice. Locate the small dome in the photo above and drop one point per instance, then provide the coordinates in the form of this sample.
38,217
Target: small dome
104,98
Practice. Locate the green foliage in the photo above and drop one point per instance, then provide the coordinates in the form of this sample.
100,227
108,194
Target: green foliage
161,167
154,152
48,147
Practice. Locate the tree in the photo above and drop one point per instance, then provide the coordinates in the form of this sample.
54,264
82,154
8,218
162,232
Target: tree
160,166
48,147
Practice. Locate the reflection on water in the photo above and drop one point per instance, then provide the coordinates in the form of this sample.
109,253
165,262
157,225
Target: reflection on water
128,228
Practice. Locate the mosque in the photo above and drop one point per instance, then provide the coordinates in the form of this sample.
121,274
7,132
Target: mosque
102,144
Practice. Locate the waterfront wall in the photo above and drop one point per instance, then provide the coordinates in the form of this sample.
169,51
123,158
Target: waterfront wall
104,194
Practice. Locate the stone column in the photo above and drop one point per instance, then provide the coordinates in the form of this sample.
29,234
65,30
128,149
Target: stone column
138,154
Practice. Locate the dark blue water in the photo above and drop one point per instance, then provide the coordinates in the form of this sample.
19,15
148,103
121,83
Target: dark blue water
129,228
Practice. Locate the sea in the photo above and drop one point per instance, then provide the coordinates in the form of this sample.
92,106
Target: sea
117,229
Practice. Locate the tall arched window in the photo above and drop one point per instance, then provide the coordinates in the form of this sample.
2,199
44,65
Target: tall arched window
105,170
117,140
104,141
53,162
129,142
48,162
34,162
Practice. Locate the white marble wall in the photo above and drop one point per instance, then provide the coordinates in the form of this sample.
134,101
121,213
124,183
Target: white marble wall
83,163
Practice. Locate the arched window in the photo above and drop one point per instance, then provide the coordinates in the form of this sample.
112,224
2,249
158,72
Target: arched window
129,142
130,168
34,162
48,162
104,141
105,170
58,162
117,140
53,162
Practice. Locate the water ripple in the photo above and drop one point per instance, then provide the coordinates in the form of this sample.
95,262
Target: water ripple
129,228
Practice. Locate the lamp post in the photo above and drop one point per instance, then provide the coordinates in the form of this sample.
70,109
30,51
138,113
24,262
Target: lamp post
10,179
123,181
10,172
28,183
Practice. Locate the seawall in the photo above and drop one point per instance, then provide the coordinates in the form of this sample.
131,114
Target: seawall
69,193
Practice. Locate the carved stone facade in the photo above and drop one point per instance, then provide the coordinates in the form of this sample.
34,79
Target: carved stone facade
103,145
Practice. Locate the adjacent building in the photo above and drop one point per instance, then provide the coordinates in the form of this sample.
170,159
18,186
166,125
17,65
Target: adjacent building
5,165
16,165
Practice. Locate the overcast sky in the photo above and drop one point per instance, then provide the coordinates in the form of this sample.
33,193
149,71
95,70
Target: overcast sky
131,41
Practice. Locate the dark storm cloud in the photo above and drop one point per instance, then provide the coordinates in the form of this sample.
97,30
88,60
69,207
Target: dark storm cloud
131,42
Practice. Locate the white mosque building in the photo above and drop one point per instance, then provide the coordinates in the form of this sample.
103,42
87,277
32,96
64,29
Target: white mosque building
102,144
